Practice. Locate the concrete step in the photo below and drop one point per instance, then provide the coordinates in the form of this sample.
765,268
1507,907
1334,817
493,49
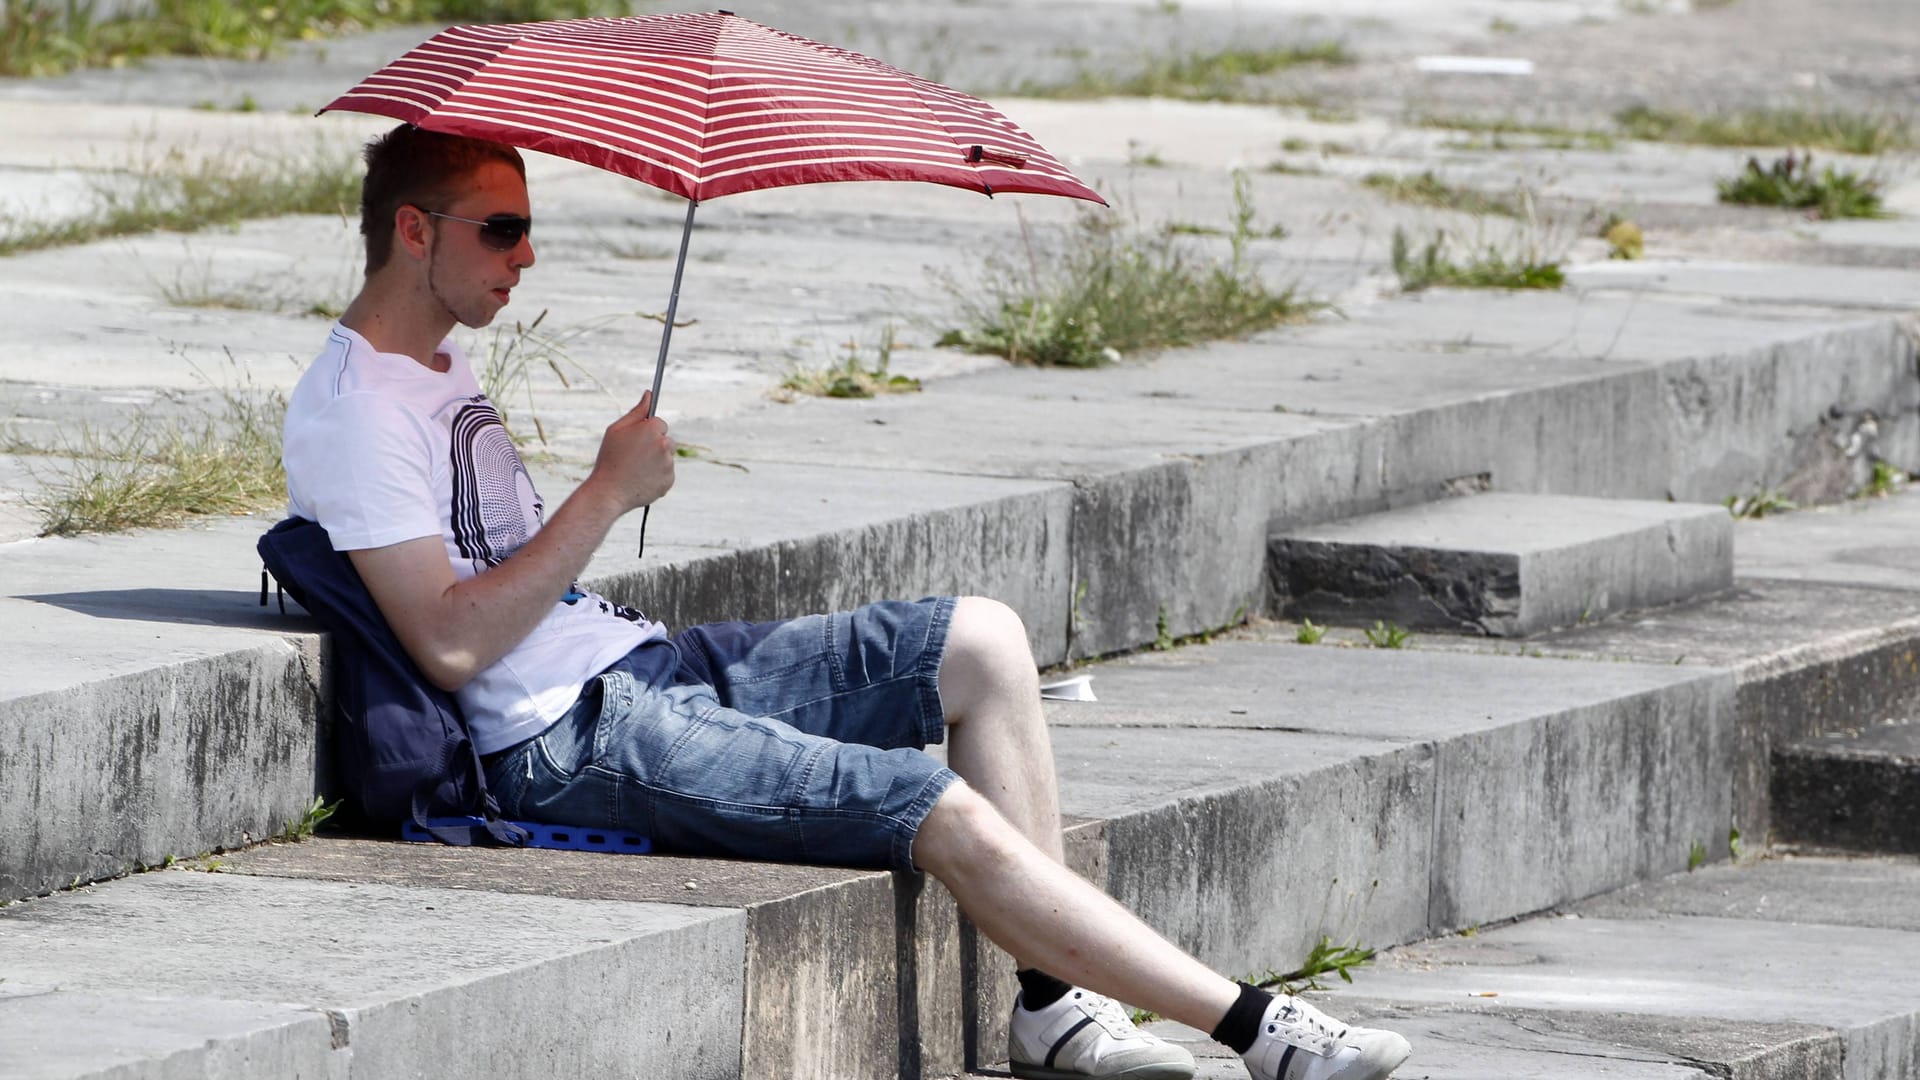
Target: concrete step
1501,564
1777,968
1858,790
1821,632
175,973
1237,795
1112,507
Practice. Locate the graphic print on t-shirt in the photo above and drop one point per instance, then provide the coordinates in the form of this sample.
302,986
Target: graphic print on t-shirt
495,509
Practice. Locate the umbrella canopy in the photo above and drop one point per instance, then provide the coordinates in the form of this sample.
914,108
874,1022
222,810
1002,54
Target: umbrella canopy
706,104
702,105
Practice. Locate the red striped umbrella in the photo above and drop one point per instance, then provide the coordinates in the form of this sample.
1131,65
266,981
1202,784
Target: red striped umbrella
703,105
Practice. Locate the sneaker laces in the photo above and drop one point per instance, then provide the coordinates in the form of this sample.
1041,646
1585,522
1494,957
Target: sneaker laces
1307,1026
1110,1015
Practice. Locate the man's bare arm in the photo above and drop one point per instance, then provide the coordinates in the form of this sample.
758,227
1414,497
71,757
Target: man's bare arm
454,629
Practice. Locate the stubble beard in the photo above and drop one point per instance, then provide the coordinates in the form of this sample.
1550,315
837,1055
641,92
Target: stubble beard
471,319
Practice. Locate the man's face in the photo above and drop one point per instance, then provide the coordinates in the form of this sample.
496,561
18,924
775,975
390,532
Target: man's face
470,279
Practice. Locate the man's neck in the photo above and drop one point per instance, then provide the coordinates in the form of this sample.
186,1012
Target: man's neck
392,321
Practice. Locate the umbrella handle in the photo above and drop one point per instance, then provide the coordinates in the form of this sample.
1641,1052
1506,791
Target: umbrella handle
666,337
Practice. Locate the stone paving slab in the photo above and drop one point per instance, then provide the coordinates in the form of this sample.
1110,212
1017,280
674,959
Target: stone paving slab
408,981
1826,286
53,1034
1268,682
1851,980
1826,890
1500,564
1868,542
1751,970
826,989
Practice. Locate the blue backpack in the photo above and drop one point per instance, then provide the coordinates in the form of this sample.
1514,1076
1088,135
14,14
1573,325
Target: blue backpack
401,747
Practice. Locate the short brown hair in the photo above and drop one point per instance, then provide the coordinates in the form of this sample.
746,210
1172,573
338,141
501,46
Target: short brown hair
411,165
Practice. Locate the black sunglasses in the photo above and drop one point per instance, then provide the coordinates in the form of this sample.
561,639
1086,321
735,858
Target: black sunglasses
500,232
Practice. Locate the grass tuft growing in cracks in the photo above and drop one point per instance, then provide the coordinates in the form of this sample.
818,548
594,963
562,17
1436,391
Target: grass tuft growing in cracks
173,191
1110,290
154,472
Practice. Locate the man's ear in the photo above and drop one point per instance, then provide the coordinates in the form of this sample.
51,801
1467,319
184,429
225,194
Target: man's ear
411,230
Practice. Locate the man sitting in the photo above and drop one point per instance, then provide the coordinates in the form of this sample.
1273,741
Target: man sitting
796,740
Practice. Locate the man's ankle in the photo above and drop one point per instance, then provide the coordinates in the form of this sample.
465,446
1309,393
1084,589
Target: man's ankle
1238,1029
1039,989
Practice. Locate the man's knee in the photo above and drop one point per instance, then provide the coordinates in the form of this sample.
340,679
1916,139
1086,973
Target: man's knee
961,832
988,639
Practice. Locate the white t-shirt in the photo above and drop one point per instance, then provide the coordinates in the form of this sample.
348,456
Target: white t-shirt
380,449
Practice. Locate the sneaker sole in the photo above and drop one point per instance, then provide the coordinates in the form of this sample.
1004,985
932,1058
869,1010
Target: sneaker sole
1156,1071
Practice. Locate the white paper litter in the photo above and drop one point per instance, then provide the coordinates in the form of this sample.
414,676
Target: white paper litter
1071,688
1474,65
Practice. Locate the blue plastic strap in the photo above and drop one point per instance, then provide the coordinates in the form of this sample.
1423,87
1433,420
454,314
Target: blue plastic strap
539,834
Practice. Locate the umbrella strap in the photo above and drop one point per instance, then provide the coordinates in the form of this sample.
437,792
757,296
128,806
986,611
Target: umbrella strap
666,338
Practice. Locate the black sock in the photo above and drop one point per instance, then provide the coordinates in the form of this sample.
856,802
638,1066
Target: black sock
1039,989
1241,1025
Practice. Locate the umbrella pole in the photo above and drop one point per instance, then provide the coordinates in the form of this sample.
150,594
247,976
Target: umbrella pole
666,337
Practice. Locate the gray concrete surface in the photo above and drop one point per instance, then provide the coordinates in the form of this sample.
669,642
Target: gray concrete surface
1828,890
1867,541
826,989
1749,970
405,981
1758,351
47,1033
1857,789
1243,777
1501,565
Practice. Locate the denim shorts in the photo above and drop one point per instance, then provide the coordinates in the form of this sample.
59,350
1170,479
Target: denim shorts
793,741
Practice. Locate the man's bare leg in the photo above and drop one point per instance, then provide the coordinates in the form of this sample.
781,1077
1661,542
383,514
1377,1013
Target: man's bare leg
1002,861
1052,918
994,842
996,734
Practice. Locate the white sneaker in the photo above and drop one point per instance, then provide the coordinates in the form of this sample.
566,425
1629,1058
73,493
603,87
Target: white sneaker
1299,1042
1086,1034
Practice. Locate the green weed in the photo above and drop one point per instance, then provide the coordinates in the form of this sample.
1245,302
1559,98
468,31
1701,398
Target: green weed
1625,240
1308,633
1427,189
1759,504
1486,268
512,356
1386,635
1325,958
1162,635
47,37
1196,76
1509,133
1885,481
1110,290
1733,842
851,377
153,472
173,192
312,818
1790,181
1696,856
1825,129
